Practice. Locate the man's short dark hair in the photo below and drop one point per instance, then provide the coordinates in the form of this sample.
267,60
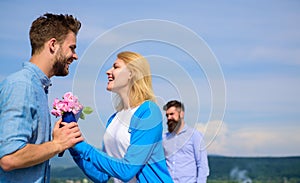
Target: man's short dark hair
174,103
51,26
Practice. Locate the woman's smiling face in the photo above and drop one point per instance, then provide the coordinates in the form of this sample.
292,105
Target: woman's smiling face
118,77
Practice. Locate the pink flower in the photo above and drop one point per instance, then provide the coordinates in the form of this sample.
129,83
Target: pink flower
56,112
70,98
69,103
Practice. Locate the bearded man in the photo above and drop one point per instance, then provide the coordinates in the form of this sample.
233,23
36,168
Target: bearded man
25,126
183,146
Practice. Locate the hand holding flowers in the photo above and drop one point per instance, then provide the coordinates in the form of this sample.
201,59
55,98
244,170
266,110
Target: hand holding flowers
70,109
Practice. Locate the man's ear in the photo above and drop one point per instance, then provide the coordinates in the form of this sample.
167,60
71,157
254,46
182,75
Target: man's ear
181,114
53,45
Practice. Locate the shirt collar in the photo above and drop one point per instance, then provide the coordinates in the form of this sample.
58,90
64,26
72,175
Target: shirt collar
183,129
45,81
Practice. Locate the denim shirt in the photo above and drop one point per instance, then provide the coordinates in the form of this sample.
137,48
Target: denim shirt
24,119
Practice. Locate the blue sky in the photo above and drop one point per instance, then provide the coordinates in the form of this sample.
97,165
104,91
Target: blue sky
256,45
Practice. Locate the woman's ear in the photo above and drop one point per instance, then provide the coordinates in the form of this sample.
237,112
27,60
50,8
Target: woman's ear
130,75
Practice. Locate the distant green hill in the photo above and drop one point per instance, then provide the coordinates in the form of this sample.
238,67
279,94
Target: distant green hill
266,169
228,169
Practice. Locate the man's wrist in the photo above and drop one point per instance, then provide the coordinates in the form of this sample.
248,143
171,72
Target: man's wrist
56,147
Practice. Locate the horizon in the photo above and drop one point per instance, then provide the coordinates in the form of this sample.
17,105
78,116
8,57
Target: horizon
67,160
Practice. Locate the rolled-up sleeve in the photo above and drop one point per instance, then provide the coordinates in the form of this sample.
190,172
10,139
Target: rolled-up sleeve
16,116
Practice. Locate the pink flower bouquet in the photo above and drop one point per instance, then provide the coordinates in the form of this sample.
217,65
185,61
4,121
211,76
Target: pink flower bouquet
69,104
70,109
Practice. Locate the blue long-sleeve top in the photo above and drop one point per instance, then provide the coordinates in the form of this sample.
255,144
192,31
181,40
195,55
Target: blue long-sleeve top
144,157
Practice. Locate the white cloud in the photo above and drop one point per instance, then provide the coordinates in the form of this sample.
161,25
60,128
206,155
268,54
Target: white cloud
269,140
214,133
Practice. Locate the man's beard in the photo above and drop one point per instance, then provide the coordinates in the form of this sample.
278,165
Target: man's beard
59,67
173,125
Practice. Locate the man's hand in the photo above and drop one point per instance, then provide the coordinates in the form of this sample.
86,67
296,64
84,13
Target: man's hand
67,135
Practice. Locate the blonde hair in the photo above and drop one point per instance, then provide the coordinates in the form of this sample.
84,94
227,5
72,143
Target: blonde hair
141,80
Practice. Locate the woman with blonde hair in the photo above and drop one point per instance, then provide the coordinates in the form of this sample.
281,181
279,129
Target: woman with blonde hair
132,141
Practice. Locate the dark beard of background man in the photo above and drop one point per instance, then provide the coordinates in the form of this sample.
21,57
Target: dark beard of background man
173,125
